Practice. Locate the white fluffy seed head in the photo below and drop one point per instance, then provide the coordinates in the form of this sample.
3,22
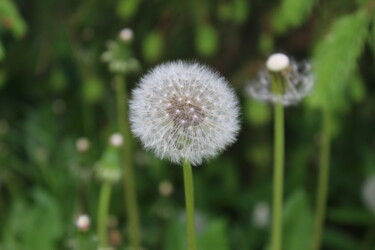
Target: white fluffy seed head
261,215
126,35
82,144
83,222
368,194
277,62
184,111
116,140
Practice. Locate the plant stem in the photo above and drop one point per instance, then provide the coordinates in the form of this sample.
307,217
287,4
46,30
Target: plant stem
323,179
278,175
189,202
104,199
127,161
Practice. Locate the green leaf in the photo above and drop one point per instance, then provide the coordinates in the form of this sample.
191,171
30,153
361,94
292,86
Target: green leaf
93,89
127,8
339,240
257,113
206,40
291,14
215,237
176,236
153,46
240,10
350,216
336,56
297,223
13,20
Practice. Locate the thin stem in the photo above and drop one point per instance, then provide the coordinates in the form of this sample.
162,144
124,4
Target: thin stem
323,180
104,199
278,175
189,202
127,162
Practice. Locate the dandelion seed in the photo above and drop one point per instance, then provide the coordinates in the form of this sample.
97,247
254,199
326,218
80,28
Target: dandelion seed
185,125
296,79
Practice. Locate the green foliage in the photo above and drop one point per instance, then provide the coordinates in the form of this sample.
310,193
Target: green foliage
297,223
236,11
11,19
336,56
153,46
127,8
40,226
291,14
213,235
206,40
257,113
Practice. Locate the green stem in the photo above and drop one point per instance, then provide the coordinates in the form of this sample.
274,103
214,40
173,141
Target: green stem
278,175
189,202
323,180
104,199
127,161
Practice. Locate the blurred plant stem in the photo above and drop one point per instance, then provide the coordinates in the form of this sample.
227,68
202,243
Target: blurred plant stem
323,179
104,200
189,203
278,175
127,162
278,168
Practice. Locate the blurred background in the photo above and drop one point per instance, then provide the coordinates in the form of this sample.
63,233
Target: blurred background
57,111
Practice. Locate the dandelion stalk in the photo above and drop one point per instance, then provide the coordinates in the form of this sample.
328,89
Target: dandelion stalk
278,171
126,159
189,203
104,200
323,180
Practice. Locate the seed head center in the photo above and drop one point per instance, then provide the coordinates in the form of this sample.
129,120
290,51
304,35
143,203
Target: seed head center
185,111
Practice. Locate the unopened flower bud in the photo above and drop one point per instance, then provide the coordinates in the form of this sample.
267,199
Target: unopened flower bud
165,188
126,35
82,144
83,222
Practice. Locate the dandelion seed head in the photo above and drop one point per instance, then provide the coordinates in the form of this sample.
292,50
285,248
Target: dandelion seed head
296,77
173,112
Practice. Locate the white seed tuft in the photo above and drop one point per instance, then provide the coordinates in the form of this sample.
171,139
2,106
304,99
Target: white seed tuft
83,222
277,62
185,125
82,144
126,35
116,140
